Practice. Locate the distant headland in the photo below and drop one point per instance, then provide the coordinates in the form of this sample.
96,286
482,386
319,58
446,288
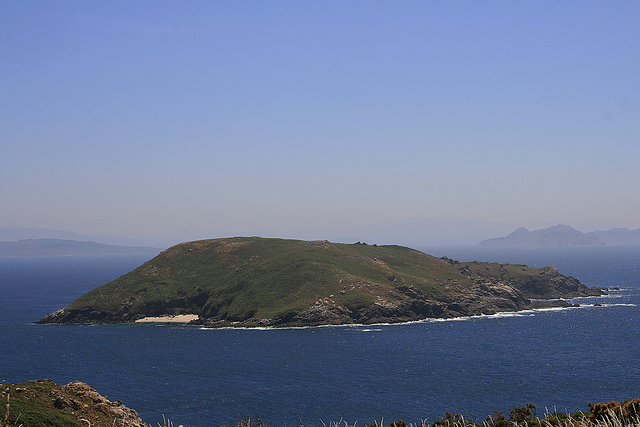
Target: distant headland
37,247
266,282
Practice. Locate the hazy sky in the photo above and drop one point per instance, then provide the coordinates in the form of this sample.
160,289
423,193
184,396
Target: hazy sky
155,117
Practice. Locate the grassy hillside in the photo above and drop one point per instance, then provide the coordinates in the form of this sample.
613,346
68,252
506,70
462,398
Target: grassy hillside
283,282
45,403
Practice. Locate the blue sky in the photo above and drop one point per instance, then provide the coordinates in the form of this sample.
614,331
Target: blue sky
151,118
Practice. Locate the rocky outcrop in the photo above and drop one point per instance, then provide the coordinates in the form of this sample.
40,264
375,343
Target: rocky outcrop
487,297
550,284
87,316
83,401
76,401
407,303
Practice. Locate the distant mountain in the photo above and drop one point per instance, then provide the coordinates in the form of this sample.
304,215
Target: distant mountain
32,247
557,235
414,232
13,234
618,236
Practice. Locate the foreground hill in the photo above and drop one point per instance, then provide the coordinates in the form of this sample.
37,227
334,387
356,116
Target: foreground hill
252,281
32,247
558,235
45,403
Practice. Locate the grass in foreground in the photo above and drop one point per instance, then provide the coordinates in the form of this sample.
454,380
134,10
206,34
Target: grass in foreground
35,404
611,414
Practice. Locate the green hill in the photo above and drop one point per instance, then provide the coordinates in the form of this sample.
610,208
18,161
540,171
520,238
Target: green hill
252,281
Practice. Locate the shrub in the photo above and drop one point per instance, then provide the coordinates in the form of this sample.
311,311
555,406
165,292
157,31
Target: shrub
627,411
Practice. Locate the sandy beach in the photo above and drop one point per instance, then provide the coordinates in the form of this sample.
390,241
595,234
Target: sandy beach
181,318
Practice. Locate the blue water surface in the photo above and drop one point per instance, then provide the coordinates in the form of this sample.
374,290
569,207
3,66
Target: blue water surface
559,359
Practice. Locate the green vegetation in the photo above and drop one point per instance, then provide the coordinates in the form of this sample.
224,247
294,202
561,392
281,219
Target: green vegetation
45,403
252,281
29,404
611,414
625,414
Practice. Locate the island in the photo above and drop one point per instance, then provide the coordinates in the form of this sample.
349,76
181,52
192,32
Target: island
269,282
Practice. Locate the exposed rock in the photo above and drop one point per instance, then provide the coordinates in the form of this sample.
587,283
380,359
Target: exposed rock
76,400
554,285
486,297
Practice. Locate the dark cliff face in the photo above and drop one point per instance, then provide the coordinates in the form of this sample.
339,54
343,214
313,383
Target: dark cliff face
407,304
551,284
274,282
86,317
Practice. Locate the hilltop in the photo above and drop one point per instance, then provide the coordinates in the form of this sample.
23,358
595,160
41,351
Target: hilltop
253,281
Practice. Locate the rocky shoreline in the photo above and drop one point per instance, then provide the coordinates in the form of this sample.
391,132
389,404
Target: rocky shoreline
488,300
409,304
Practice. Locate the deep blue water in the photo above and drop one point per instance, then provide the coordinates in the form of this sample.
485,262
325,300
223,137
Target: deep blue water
556,359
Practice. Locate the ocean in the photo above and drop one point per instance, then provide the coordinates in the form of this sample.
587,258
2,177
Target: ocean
558,359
